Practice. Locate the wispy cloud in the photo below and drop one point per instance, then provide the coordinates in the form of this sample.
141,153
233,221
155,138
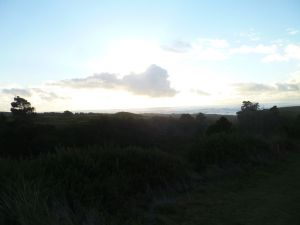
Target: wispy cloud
17,91
153,82
258,49
213,43
220,49
200,92
290,52
253,88
177,47
292,31
250,34
29,92
290,86
201,49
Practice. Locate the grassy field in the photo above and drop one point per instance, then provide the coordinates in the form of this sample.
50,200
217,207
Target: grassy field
270,195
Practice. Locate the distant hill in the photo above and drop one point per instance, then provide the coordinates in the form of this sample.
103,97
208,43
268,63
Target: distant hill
291,111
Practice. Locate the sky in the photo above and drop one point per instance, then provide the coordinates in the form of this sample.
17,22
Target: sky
129,54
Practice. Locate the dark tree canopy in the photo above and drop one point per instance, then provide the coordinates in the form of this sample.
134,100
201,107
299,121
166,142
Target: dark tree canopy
249,106
200,117
21,107
67,113
222,125
186,116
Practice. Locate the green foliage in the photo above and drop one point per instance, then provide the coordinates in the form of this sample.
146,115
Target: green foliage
21,107
221,125
253,120
110,180
226,149
186,116
249,106
67,113
27,204
200,117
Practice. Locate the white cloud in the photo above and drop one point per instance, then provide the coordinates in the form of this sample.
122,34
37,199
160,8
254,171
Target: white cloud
289,88
17,92
201,49
210,49
199,92
258,49
214,43
250,34
153,82
177,47
290,52
275,58
292,31
29,92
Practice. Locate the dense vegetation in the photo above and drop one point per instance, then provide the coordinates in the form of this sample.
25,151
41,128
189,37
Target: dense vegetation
65,168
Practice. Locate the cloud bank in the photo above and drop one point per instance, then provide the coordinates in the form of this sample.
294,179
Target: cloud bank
17,92
291,87
29,92
153,82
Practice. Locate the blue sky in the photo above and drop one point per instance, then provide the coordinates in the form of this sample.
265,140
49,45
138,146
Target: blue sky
149,53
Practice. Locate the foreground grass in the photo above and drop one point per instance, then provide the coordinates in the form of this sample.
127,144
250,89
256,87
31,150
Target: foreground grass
269,195
135,186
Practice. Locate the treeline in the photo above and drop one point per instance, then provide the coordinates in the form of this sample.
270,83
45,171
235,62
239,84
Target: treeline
30,135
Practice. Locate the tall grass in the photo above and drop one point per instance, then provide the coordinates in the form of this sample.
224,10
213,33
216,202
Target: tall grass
227,149
81,186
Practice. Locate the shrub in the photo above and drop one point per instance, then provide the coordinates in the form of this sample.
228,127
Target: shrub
224,149
110,179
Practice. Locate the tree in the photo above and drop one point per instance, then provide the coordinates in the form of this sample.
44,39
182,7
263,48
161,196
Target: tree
186,116
67,113
21,107
249,106
200,117
222,125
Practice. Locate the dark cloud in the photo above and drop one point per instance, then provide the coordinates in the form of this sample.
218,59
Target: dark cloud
17,91
153,82
177,46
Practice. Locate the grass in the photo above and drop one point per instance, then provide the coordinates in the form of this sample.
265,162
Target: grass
75,185
269,195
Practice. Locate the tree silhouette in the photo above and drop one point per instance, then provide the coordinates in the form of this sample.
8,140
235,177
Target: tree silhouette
21,107
222,125
200,117
249,106
186,116
67,113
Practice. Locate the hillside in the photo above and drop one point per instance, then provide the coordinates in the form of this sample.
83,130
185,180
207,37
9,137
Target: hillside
291,111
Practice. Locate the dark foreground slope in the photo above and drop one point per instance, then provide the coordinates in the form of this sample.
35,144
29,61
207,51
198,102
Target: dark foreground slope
265,196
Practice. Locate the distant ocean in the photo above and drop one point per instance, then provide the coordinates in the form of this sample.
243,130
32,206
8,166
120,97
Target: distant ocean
191,110
176,110
223,110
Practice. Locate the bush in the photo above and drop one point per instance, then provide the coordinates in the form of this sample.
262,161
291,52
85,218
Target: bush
224,149
112,180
